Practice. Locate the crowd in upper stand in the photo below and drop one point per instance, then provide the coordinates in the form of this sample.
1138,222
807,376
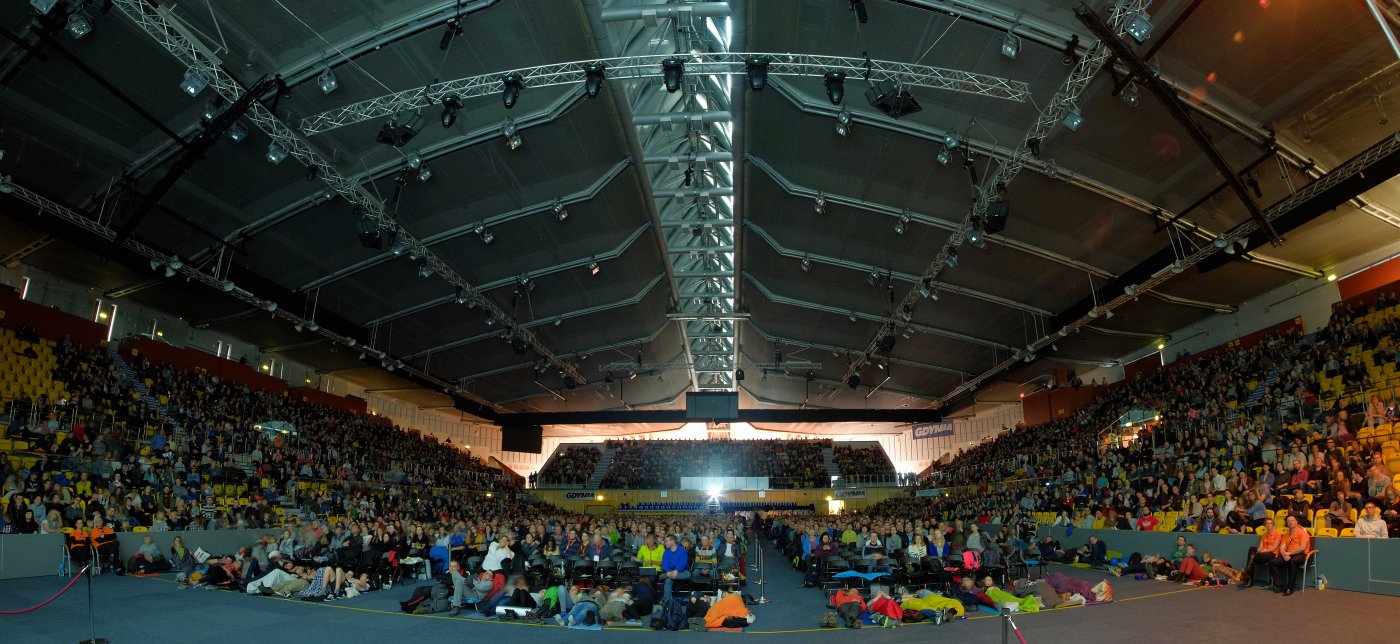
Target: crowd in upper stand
571,465
661,464
1212,462
862,461
104,451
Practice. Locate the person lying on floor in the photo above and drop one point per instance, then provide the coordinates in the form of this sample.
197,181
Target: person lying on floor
994,596
586,604
615,609
729,612
283,571
884,610
518,597
928,602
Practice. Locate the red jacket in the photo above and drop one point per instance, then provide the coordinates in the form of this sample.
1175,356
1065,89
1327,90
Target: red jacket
887,607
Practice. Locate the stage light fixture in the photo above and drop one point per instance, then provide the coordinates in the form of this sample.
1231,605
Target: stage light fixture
169,272
806,264
155,263
819,203
952,259
450,106
1010,45
1177,267
192,83
757,70
79,25
944,156
275,154
903,223
852,316
270,306
593,268
461,297
593,76
1130,94
398,130
672,71
952,139
843,122
237,132
1139,27
512,135
1033,144
1073,118
424,173
425,270
327,81
43,6
835,82
487,236
738,375
212,107
853,381
511,85
974,237
560,212
858,6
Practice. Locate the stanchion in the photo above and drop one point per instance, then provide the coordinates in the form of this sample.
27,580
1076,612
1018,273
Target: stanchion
92,610
1008,627
762,598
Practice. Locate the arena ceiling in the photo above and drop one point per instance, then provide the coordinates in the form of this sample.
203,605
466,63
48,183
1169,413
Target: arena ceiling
736,266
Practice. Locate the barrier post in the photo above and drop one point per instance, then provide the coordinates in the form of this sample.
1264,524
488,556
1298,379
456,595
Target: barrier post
92,611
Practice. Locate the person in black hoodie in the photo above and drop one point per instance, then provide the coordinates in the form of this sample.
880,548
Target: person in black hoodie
643,600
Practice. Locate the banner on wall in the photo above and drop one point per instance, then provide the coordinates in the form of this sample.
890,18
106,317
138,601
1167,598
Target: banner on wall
580,495
926,493
932,430
848,494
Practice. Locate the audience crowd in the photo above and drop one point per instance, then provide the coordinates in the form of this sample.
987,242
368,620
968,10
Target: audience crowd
639,464
571,465
862,461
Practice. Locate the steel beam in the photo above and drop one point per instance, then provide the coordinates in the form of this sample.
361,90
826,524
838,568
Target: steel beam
168,33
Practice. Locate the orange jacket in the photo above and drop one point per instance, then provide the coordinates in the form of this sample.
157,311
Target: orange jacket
1269,541
78,539
729,606
1296,540
102,536
842,597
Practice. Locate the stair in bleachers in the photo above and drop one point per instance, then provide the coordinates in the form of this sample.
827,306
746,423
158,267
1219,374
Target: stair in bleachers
178,435
829,461
1261,389
596,478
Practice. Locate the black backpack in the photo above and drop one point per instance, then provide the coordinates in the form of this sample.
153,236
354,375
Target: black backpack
673,615
420,595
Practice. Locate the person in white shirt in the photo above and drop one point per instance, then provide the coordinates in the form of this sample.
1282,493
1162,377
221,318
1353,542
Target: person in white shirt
498,552
1371,525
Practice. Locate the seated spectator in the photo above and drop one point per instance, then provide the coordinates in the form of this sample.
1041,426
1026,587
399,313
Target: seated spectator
674,565
1370,525
1291,556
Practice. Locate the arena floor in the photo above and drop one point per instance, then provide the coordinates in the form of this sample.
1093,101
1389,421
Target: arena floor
155,609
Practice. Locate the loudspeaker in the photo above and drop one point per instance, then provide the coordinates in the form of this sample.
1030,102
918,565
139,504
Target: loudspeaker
887,343
891,99
995,220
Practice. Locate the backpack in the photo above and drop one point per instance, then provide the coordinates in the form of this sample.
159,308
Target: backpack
828,619
812,576
420,595
673,616
971,560
911,616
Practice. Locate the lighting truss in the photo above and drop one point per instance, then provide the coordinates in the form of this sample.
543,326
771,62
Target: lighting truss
649,66
159,25
1065,98
47,206
624,367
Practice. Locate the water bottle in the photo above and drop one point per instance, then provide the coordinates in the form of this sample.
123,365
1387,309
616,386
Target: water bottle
62,570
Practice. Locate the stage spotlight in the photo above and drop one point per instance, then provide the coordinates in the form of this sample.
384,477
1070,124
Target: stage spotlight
903,223
819,203
1131,95
843,123
952,259
487,237
461,297
238,131
43,6
425,173
672,71
193,83
853,381
593,76
510,89
450,106
79,25
276,154
944,156
835,82
593,268
1073,118
806,264
1034,145
327,81
757,70
1010,45
425,270
560,213
738,375
155,263
1139,27
512,135
952,139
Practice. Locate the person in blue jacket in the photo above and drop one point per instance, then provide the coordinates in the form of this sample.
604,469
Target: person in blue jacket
675,564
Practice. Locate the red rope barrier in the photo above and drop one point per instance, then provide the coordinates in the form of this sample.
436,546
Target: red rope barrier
46,602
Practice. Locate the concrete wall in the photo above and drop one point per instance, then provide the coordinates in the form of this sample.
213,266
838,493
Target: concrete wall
1362,565
38,555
